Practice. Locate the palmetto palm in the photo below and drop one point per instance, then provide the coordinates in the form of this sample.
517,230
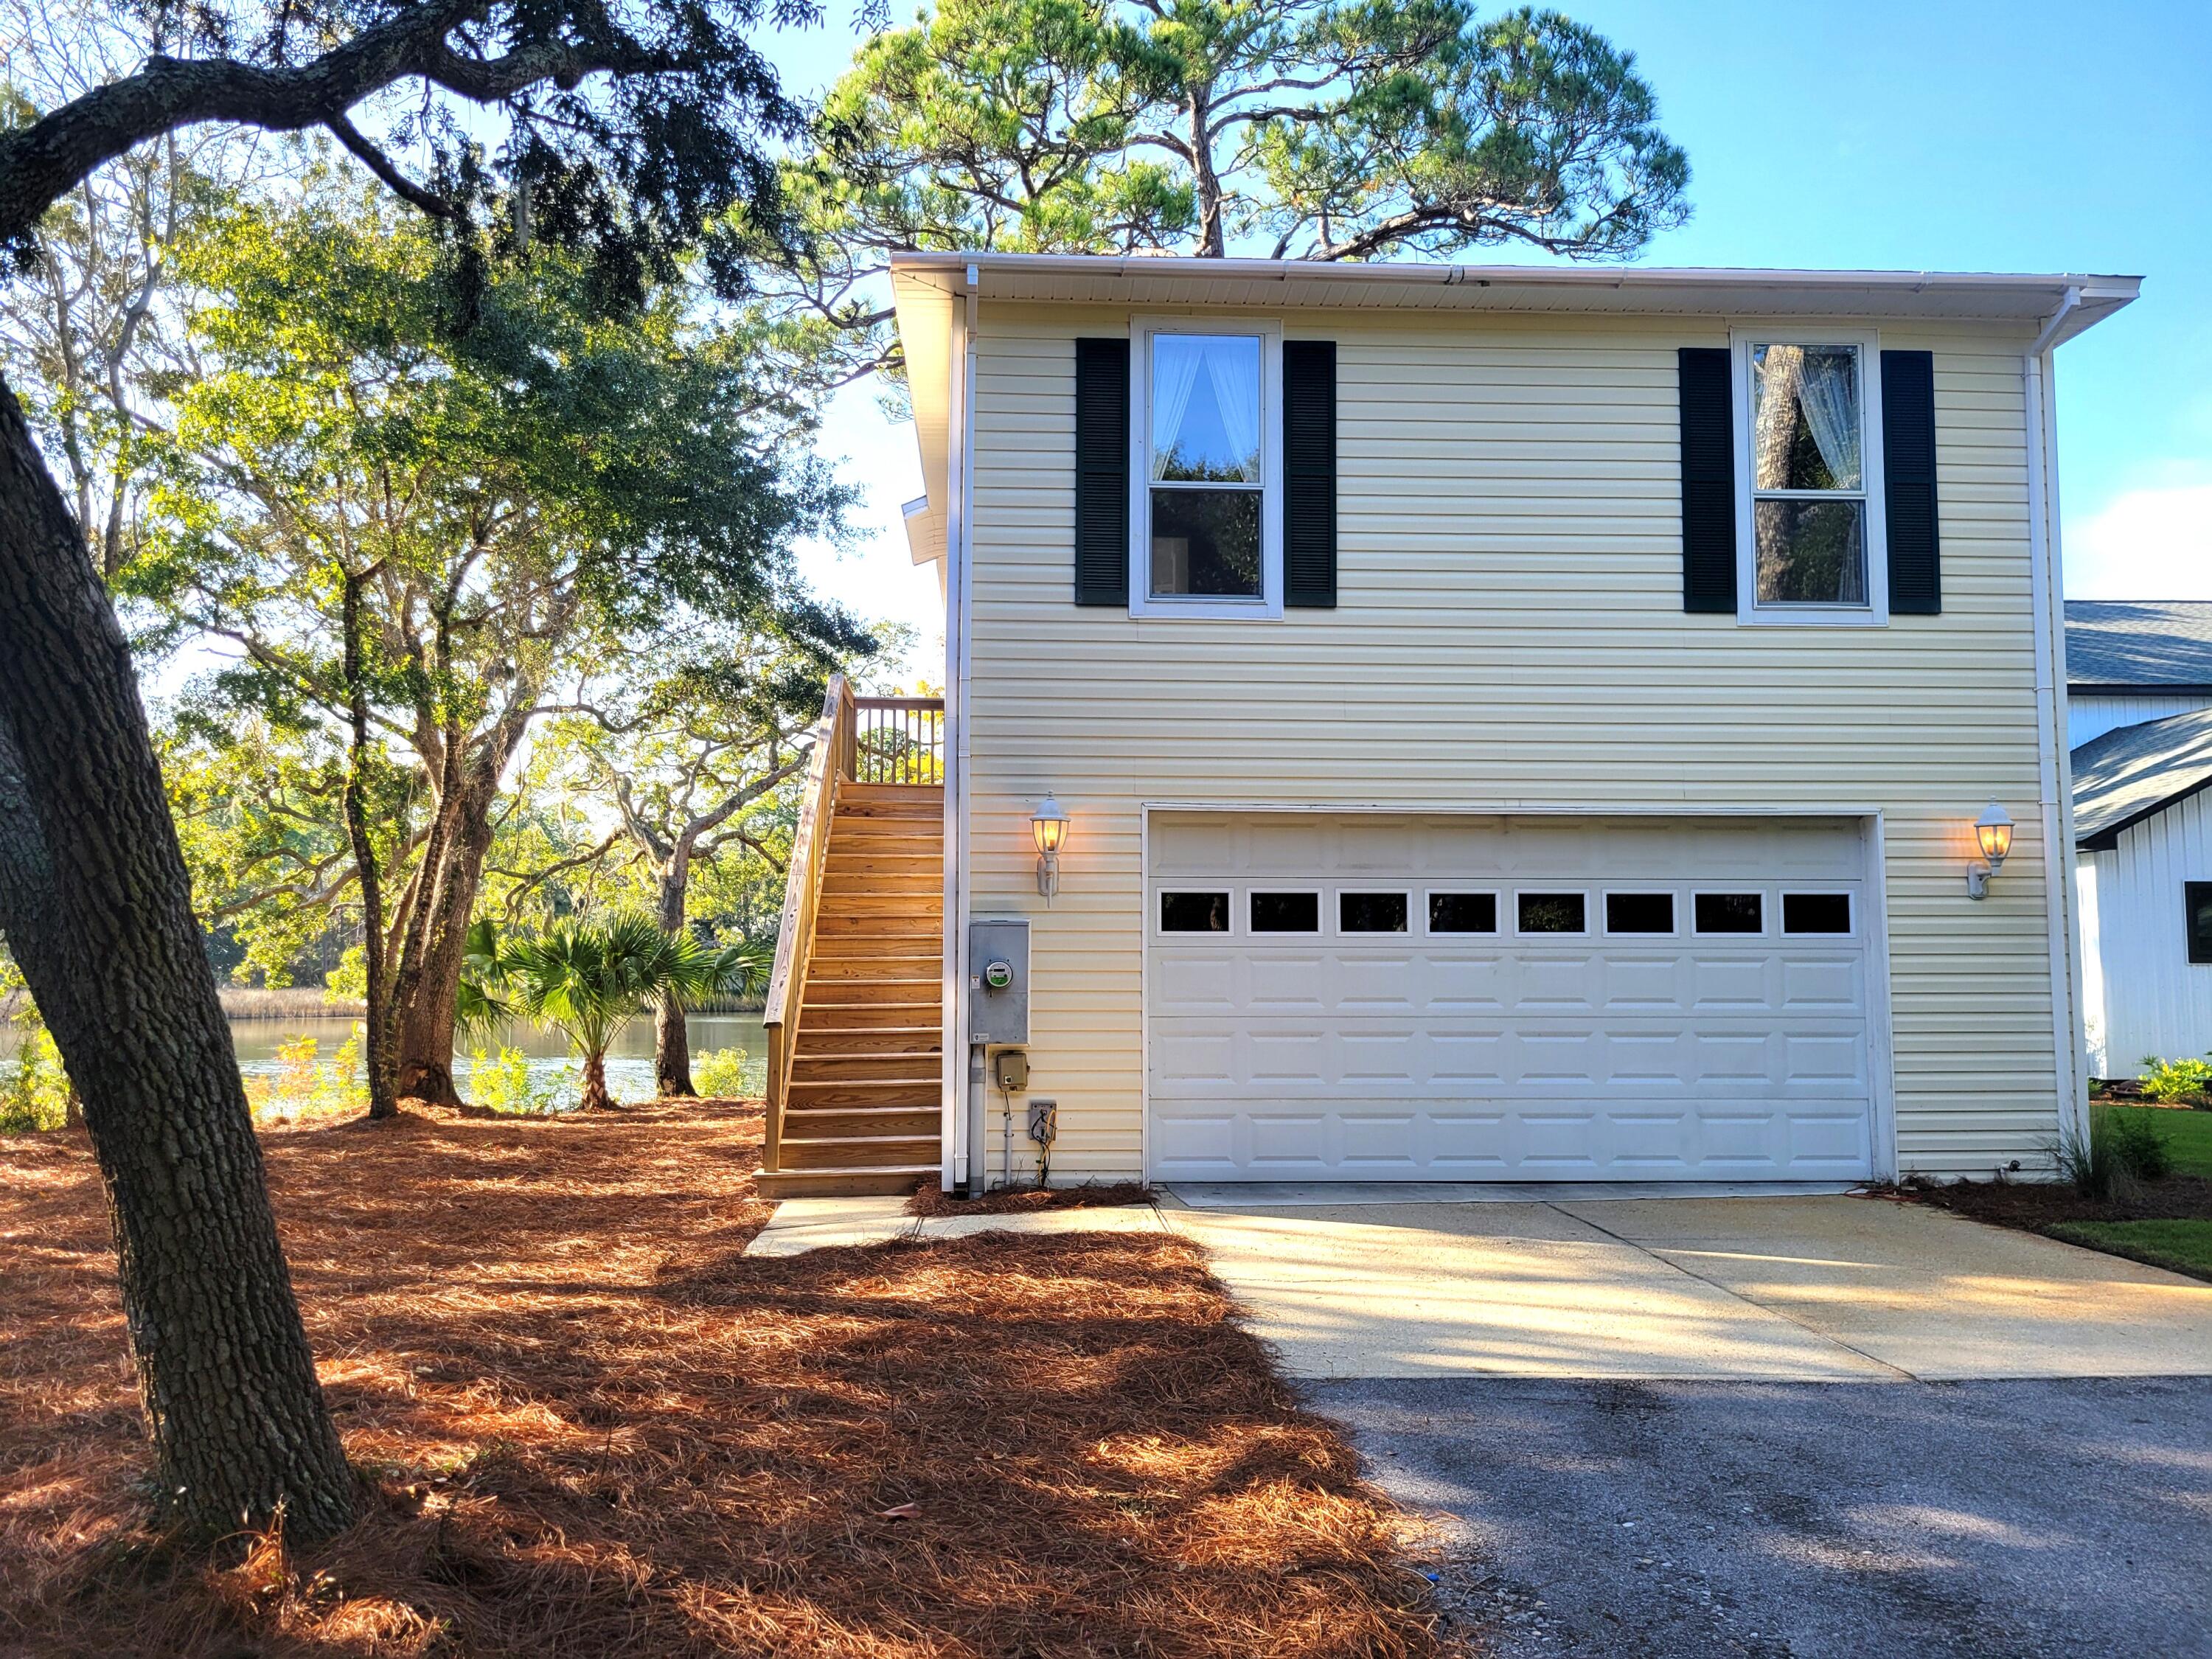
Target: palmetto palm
589,981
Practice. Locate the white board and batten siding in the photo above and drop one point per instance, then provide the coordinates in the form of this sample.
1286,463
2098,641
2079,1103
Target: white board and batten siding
1509,637
2143,996
2091,713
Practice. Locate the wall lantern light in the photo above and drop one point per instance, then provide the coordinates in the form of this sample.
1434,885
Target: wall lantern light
1993,831
1048,826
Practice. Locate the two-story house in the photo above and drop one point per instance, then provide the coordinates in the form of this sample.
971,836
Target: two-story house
1491,724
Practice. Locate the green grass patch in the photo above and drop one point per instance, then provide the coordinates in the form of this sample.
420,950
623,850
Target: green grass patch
2184,1246
2188,1135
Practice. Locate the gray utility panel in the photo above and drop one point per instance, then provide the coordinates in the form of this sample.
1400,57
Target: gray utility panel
998,982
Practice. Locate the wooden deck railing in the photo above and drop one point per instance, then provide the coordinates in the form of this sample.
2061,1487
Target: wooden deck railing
896,741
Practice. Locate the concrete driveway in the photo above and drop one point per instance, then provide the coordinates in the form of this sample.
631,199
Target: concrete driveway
1817,1289
1783,1427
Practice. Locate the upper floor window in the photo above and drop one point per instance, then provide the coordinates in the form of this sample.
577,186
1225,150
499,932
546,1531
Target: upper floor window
1207,502
1809,519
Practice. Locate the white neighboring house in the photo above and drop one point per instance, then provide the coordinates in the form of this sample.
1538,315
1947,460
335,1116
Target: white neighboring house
2139,675
1505,723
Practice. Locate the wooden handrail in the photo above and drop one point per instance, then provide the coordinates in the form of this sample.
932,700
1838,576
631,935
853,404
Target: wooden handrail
832,762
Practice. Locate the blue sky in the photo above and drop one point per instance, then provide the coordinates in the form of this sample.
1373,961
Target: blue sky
1964,134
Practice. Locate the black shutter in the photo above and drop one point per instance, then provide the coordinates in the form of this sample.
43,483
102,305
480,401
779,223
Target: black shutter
1908,479
1708,480
1309,474
1102,473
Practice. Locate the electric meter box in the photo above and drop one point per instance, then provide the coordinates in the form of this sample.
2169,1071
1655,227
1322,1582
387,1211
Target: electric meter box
998,982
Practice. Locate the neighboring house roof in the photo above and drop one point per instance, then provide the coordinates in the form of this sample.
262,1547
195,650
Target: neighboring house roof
2115,644
2134,771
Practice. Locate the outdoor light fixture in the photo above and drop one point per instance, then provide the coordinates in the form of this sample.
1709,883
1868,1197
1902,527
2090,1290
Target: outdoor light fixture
1993,831
1049,825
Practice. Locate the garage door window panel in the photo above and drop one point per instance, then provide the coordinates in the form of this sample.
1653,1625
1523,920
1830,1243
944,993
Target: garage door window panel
1730,913
1286,912
1639,913
1193,913
1551,912
1462,912
1372,912
1816,913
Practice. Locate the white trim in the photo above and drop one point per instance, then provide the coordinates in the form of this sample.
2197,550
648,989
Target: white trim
1874,613
1881,1039
2054,760
959,610
1143,601
1882,1057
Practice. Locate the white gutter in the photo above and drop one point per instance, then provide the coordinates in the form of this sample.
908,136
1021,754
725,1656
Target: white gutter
2025,286
2054,767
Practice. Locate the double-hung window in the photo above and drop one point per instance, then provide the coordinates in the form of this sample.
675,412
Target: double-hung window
1206,497
1809,534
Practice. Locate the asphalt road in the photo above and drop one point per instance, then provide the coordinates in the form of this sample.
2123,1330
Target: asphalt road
1999,1520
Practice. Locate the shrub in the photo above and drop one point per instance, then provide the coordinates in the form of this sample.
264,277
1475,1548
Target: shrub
2121,1150
304,1084
2189,1080
505,1085
33,1089
720,1073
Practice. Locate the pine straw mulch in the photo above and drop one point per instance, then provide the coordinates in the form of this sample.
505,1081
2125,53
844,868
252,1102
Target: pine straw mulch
2035,1206
590,1427
930,1199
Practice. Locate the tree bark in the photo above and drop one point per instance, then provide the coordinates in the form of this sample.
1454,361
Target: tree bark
426,1014
383,1060
97,907
671,1034
596,1098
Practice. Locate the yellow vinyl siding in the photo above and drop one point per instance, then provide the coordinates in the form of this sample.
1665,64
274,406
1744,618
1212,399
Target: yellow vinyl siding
1510,635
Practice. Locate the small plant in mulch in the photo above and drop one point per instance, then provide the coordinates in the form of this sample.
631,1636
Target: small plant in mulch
934,1200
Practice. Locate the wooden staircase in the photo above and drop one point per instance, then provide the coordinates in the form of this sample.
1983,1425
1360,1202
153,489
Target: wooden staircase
856,1040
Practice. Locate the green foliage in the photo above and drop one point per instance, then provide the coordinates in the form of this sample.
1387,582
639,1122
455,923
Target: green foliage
532,496
589,981
720,1074
2189,1080
304,1084
2121,1150
34,1090
1314,129
505,1085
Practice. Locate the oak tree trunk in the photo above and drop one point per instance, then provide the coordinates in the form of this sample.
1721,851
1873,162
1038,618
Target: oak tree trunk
672,1035
383,1067
427,1015
96,906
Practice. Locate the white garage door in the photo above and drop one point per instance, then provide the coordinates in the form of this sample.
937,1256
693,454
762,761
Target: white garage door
1536,999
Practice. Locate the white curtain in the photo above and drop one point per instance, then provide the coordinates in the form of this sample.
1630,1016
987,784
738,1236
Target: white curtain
1828,392
1232,372
1176,361
1234,368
